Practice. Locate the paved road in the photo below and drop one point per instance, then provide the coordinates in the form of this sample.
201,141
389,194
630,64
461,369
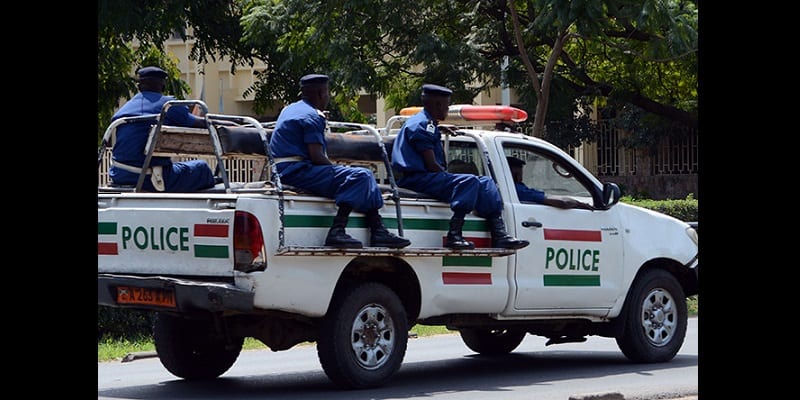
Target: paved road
435,368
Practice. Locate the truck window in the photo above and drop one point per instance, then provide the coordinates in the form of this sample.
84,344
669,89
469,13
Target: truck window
464,158
547,174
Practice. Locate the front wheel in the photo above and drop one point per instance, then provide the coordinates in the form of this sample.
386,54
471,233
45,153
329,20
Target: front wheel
656,317
192,348
492,342
363,337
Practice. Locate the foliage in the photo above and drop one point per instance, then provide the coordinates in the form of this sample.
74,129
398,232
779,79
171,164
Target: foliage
109,348
603,53
607,45
131,34
122,323
682,209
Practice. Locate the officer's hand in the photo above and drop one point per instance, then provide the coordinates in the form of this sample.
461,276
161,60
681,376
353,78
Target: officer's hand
579,204
449,129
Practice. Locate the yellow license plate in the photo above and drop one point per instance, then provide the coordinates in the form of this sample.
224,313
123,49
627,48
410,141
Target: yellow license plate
145,296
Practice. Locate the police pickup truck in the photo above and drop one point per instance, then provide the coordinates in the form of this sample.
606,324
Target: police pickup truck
245,259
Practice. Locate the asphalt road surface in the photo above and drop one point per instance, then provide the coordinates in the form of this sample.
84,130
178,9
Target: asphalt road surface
435,368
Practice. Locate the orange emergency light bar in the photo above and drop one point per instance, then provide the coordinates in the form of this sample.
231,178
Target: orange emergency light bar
466,112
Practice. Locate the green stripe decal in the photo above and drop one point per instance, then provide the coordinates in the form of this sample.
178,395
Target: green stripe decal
312,221
325,221
572,280
106,228
206,251
461,261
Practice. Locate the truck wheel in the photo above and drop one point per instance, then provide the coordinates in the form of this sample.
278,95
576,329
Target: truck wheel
492,342
363,337
655,319
192,349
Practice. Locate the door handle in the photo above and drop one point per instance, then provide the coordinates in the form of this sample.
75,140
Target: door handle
528,224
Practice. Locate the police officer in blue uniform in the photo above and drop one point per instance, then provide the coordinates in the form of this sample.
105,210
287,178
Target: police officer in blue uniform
419,159
298,147
128,153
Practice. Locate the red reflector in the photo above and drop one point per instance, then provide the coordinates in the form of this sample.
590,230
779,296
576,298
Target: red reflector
248,242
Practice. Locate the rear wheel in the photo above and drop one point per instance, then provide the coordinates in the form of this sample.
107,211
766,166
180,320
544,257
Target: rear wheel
656,317
492,342
363,337
192,348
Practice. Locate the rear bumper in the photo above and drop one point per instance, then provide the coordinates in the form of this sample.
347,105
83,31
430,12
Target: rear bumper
189,295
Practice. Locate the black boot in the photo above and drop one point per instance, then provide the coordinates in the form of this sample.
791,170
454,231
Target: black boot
501,238
380,236
454,238
337,237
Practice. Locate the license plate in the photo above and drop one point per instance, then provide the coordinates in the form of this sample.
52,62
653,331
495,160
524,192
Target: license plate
145,296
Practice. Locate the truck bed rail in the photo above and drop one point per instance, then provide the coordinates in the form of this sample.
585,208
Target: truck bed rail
386,251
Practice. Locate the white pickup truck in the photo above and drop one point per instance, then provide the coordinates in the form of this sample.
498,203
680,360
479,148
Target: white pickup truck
245,259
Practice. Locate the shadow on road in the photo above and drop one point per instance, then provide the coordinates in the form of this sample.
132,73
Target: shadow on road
490,376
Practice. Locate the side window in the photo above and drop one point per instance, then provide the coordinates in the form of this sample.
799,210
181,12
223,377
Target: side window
545,173
464,158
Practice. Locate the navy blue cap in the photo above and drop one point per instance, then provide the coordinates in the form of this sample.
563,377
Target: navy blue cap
152,72
435,90
515,162
313,79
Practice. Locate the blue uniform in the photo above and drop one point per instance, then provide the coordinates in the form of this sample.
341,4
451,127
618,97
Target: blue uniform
464,192
528,194
300,124
131,138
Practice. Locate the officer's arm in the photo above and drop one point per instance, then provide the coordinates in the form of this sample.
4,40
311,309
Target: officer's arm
565,202
318,156
430,161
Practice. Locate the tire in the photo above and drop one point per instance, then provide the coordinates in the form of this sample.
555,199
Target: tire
363,337
656,317
192,349
492,342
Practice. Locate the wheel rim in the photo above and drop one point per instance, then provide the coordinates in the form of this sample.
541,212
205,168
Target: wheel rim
659,317
372,336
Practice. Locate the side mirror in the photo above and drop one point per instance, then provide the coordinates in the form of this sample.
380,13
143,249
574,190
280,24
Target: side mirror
611,194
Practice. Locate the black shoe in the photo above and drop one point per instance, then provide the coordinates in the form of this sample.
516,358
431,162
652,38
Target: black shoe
338,238
384,238
500,237
509,242
380,236
454,239
458,243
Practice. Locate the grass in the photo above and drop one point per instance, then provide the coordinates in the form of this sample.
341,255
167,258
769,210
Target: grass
111,350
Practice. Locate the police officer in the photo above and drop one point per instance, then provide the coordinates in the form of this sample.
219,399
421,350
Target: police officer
298,147
128,156
418,155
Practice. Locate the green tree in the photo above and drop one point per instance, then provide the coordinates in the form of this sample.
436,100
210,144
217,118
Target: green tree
635,56
630,54
131,34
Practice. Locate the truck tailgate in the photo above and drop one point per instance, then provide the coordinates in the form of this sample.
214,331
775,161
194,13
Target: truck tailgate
190,237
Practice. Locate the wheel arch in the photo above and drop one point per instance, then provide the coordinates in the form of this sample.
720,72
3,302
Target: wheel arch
685,277
393,272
